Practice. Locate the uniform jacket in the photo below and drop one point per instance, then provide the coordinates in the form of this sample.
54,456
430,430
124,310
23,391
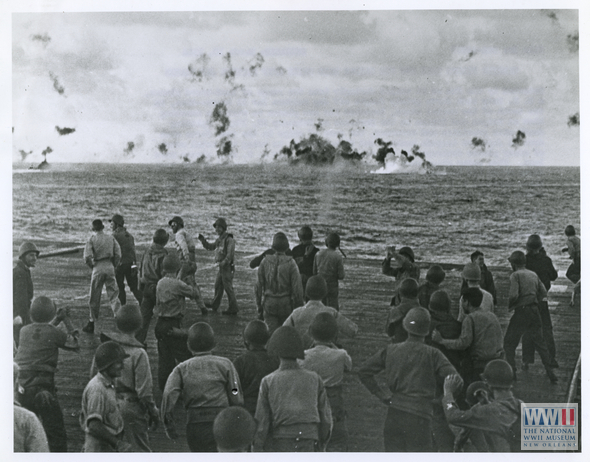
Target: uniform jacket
22,291
150,269
127,245
542,266
224,247
278,276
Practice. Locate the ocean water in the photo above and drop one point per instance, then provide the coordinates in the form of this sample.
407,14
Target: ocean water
443,216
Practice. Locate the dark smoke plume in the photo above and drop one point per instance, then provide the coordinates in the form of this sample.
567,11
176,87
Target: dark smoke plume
319,125
384,149
24,154
573,42
129,148
230,74
58,87
574,120
417,153
197,68
258,62
201,159
469,56
224,146
478,143
219,118
45,39
551,15
163,148
46,151
315,150
281,70
64,131
518,139
185,158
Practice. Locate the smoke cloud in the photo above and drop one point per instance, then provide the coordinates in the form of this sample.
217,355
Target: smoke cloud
219,119
44,39
163,148
58,87
198,67
258,61
281,70
230,74
518,139
551,15
46,151
64,131
384,149
478,143
129,148
574,120
573,42
224,146
24,154
469,56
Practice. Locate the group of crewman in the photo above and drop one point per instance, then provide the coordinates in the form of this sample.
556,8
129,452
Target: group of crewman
449,372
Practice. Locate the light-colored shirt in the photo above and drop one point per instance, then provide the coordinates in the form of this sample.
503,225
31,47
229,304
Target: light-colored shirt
292,402
278,276
302,317
102,246
329,362
185,245
482,332
136,376
487,304
170,295
525,289
205,380
29,435
330,265
99,401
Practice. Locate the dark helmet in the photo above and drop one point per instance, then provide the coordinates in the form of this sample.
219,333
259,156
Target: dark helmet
42,309
316,288
498,374
27,247
417,321
234,429
305,233
570,230
128,319
221,222
285,342
178,220
117,219
256,333
408,252
108,353
200,337
280,243
324,327
333,240
440,301
161,237
97,225
408,288
473,389
435,274
534,242
170,264
517,258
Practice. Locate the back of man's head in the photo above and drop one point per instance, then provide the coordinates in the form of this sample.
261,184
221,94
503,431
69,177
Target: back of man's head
408,288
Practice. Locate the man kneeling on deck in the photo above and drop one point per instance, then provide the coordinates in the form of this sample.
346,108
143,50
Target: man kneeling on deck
412,371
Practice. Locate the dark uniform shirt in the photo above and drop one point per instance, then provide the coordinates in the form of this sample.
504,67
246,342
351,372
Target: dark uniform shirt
22,291
127,245
252,367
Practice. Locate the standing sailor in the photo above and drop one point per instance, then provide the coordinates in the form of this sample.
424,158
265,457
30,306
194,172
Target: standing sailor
127,267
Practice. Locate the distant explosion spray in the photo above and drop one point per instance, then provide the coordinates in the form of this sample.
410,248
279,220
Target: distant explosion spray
64,131
518,139
58,87
478,143
574,120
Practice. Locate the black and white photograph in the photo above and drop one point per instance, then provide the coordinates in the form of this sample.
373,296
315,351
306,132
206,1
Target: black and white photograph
294,226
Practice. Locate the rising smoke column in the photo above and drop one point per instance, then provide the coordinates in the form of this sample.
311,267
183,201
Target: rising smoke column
58,87
257,63
384,149
130,146
163,148
198,67
46,151
220,122
230,74
478,143
24,154
64,131
518,139
574,120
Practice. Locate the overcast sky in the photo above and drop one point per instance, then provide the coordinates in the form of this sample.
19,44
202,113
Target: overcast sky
141,87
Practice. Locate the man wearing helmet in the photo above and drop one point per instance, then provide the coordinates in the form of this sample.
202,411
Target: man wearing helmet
127,268
497,416
22,286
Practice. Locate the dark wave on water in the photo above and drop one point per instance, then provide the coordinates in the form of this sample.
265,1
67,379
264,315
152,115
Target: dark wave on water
443,217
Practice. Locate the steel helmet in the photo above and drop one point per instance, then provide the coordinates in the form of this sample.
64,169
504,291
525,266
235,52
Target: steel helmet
440,301
170,264
178,220
408,252
305,233
256,333
42,309
324,327
285,342
498,374
435,274
128,319
280,243
234,429
333,240
118,219
221,222
27,247
161,237
417,321
316,288
200,337
408,288
534,242
471,272
108,353
517,258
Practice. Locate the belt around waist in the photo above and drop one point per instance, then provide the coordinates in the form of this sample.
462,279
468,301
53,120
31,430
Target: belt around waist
277,295
102,259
